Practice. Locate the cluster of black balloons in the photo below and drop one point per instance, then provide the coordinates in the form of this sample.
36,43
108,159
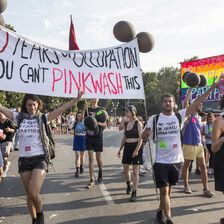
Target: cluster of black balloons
193,79
124,31
3,5
90,122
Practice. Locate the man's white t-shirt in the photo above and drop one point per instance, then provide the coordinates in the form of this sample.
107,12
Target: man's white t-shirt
168,147
29,137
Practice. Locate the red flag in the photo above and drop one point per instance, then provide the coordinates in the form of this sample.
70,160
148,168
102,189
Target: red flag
72,40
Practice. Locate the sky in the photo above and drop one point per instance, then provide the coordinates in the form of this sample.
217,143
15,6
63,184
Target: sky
181,28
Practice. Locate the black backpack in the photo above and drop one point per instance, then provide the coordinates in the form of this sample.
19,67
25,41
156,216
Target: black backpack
50,136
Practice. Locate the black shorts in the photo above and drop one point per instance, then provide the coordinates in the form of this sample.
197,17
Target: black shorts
27,164
129,148
94,143
166,174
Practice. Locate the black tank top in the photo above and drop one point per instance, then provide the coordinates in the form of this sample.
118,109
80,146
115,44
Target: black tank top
219,156
133,133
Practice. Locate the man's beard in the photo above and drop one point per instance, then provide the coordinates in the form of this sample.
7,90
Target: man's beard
167,110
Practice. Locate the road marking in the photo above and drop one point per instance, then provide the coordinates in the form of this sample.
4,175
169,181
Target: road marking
106,194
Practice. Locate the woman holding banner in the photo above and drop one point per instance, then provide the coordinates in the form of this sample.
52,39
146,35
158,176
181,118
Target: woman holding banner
132,144
33,162
218,149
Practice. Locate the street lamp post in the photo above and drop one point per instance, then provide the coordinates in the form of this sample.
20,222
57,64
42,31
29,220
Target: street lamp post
115,106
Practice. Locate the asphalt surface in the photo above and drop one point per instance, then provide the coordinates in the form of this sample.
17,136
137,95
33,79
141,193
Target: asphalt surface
67,201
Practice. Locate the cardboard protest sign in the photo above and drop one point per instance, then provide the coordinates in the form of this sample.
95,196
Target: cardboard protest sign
29,67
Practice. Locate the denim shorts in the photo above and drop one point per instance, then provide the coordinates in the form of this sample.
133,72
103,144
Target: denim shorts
26,164
5,147
1,160
79,143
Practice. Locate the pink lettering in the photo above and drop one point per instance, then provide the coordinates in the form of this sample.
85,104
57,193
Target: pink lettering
54,79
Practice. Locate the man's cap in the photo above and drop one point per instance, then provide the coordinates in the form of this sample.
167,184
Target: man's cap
131,108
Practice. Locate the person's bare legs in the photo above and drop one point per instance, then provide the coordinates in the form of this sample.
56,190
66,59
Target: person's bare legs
32,182
165,193
91,164
185,171
135,176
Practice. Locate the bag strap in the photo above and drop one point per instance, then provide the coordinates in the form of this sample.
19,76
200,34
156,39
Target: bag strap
155,121
44,120
179,119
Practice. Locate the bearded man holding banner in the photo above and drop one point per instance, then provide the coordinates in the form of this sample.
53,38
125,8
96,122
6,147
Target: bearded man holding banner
169,153
94,143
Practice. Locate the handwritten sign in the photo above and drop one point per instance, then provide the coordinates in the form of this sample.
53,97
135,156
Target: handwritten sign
29,67
209,67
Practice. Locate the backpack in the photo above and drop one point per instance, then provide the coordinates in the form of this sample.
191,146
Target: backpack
50,136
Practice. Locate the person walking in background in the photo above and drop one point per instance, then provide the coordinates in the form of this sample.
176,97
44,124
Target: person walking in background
94,143
79,143
7,130
193,148
132,155
34,156
218,150
203,116
208,137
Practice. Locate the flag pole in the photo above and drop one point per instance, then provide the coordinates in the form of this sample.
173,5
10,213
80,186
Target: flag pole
153,173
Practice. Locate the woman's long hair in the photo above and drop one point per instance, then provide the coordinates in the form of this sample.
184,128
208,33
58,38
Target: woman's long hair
33,97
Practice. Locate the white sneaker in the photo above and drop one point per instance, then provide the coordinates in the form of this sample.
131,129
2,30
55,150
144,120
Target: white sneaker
209,171
4,174
141,172
8,164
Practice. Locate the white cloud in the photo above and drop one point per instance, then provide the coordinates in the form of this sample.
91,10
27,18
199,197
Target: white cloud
47,23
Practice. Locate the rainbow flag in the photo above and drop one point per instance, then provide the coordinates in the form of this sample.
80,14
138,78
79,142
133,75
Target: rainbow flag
209,67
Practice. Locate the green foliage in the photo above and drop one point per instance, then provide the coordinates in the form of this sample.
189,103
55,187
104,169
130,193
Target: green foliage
191,59
8,26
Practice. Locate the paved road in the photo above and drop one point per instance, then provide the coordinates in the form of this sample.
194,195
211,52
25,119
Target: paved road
67,201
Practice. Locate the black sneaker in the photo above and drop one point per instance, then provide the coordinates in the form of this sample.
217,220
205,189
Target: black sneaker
128,188
100,177
161,218
76,174
40,218
34,221
81,170
198,171
169,222
133,196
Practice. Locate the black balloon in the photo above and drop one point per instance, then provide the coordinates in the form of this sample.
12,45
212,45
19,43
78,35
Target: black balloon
101,116
203,81
124,31
90,122
96,130
3,5
185,74
2,21
192,79
146,42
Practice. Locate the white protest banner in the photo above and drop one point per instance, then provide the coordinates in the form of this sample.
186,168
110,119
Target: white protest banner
29,67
